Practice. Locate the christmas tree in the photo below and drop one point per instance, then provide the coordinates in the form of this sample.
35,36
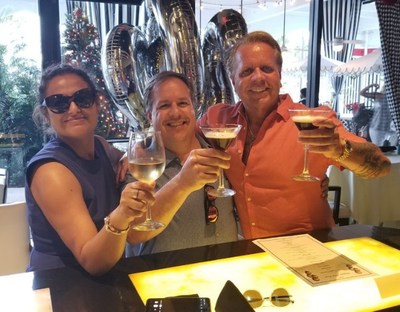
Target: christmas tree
82,48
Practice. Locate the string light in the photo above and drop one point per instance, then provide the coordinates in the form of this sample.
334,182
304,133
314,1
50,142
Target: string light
260,3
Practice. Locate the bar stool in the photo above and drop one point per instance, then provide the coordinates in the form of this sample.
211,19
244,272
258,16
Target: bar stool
14,238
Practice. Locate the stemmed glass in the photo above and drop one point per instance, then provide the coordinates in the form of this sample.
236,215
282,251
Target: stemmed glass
146,156
304,120
220,136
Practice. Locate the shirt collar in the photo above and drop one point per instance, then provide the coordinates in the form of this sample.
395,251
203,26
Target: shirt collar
285,102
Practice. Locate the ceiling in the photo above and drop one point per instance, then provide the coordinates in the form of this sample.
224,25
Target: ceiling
269,17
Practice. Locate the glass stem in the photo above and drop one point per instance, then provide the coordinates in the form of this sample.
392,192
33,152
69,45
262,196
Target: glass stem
221,179
148,213
305,168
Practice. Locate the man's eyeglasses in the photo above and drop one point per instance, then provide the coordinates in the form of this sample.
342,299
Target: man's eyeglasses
210,210
59,103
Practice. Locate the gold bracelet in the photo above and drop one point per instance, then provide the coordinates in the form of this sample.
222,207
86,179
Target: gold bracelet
112,229
347,149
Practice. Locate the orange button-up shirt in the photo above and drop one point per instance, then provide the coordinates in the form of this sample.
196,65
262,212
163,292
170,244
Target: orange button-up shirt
268,200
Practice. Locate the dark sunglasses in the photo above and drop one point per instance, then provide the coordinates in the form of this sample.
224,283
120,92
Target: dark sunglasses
59,103
210,210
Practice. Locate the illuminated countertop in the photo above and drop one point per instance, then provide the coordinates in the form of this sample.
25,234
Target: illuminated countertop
263,272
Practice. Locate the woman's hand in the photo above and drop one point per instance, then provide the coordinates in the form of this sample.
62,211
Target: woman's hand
134,199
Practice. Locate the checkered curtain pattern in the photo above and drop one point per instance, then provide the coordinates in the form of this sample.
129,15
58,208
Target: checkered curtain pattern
389,24
340,19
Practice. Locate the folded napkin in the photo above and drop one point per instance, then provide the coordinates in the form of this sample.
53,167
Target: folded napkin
231,300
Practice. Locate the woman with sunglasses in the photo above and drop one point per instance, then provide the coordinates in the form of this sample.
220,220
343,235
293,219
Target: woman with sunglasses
76,213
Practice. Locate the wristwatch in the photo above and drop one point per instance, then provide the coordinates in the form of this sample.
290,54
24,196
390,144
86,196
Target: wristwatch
347,149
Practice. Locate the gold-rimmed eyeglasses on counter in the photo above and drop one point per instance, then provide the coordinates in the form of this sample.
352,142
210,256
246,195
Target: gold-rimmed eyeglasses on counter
279,298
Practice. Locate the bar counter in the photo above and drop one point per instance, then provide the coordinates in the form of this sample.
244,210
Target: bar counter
75,290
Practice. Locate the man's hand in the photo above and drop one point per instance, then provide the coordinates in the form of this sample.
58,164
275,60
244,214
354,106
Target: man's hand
122,169
323,140
324,187
203,166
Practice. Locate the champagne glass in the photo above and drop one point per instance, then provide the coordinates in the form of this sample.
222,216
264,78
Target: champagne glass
304,119
146,156
220,136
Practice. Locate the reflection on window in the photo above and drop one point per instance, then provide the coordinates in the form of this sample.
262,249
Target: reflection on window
20,60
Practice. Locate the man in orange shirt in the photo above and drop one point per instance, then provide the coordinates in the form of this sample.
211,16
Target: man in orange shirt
268,151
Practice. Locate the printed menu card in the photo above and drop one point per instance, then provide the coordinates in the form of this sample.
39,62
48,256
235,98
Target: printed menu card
311,260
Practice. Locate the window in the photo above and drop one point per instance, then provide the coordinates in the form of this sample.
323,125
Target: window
20,60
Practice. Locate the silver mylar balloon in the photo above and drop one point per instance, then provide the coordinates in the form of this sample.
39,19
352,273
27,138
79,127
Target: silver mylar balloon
118,66
217,87
179,32
139,55
158,59
151,28
231,27
221,33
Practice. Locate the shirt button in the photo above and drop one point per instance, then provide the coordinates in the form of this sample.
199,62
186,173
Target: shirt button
248,199
253,224
246,174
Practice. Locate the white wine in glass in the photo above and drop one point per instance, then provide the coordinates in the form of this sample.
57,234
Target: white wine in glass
220,136
304,120
146,156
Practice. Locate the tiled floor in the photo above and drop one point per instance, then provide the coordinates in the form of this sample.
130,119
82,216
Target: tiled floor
15,194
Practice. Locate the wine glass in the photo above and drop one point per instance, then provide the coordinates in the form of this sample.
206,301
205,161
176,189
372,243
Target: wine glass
220,136
304,119
146,156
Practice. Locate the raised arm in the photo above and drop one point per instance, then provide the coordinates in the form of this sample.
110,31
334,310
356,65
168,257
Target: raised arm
333,141
364,159
201,167
63,204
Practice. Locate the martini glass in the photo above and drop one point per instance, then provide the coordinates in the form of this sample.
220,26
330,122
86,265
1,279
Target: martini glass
220,136
146,156
304,120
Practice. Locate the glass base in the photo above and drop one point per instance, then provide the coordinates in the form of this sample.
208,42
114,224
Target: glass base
148,225
221,192
306,177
